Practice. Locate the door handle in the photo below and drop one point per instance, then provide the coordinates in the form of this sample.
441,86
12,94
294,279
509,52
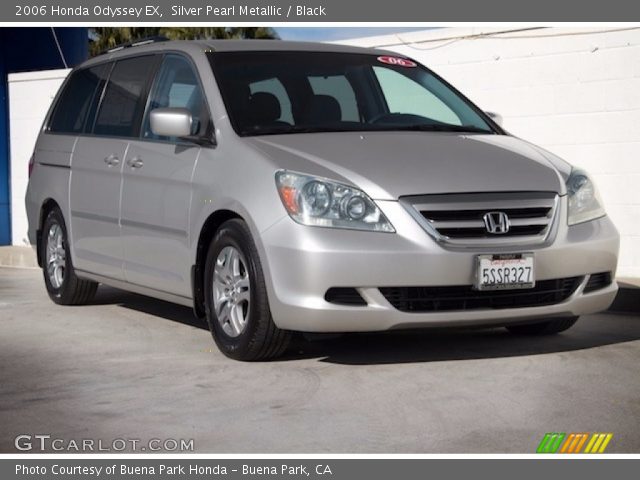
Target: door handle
135,162
112,160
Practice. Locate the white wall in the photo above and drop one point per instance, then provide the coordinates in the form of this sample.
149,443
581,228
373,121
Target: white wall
573,92
30,95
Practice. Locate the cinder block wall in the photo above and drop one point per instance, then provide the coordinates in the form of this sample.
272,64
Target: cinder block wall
30,95
573,91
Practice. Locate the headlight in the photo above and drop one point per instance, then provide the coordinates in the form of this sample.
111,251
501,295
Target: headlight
321,202
584,201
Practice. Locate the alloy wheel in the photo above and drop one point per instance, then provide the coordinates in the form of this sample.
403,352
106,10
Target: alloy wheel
231,291
56,255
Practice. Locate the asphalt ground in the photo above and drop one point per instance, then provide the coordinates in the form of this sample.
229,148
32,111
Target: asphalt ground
134,368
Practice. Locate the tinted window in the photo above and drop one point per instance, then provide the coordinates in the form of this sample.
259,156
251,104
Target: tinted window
338,88
177,86
80,94
304,92
124,99
405,96
274,87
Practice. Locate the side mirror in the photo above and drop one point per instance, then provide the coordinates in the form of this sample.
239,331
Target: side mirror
496,117
171,122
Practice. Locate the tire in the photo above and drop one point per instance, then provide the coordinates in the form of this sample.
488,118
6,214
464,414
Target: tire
236,303
63,286
549,327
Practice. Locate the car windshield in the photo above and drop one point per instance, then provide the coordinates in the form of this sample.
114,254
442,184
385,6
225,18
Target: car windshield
269,93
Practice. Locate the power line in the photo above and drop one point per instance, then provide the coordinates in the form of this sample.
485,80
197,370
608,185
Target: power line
497,36
55,37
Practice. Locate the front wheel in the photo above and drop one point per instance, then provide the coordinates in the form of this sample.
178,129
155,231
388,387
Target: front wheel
236,303
544,328
63,286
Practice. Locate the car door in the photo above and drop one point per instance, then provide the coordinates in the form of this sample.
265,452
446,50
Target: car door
94,194
156,191
97,165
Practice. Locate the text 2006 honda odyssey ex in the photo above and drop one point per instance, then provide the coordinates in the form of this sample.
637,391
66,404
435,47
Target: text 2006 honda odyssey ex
279,187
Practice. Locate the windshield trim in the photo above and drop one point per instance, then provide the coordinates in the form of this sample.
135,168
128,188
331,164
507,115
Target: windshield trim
369,128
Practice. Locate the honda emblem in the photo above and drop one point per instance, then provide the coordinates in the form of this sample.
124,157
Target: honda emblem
496,223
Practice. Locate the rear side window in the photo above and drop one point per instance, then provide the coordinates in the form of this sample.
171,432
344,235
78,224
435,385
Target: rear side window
121,110
76,101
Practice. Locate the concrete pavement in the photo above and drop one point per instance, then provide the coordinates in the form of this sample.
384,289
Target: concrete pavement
133,367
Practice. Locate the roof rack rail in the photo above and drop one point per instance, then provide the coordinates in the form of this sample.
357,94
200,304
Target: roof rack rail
135,43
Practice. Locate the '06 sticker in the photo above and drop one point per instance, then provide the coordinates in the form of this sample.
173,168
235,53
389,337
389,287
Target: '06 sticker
397,61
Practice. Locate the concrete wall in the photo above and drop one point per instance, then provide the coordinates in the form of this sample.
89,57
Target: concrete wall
573,91
30,95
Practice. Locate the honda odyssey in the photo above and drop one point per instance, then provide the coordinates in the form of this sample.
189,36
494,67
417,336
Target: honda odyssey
278,187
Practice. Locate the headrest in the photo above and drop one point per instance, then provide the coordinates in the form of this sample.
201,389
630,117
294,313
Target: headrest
322,109
264,108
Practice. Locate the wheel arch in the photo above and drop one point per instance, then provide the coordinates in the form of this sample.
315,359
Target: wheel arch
209,228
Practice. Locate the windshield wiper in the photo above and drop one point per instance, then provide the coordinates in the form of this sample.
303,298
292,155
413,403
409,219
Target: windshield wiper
297,129
423,127
430,127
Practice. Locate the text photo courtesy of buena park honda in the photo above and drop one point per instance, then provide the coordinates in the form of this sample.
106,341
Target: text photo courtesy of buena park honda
320,239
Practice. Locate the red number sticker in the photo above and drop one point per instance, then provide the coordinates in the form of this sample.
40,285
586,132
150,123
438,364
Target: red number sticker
397,61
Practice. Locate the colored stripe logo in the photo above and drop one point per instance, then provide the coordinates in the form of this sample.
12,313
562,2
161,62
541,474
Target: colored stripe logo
574,442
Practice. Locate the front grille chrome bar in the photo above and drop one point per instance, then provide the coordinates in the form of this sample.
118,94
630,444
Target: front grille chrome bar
457,220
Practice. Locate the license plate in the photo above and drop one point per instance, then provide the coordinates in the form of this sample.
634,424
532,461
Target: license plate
502,272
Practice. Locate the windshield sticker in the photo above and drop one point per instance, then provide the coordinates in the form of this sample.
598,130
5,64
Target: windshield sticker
397,61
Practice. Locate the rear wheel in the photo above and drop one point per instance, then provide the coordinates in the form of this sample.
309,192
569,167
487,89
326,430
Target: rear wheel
236,301
549,327
63,286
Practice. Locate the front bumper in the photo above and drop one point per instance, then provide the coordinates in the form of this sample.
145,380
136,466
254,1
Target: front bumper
301,263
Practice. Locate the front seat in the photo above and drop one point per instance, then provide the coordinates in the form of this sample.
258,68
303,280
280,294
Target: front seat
322,109
263,109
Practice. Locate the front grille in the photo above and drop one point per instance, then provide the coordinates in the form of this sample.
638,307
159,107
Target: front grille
458,219
443,299
597,281
482,232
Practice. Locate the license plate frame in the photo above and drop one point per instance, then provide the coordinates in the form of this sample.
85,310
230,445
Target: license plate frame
525,279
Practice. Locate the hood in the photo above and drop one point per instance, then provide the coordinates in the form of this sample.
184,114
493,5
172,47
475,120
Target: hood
388,165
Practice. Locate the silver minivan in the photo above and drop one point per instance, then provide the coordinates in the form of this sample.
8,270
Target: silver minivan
279,187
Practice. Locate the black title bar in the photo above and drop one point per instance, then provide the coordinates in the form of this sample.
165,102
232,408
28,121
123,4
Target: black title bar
262,11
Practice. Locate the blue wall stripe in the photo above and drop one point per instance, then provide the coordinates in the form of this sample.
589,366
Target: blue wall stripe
5,192
24,49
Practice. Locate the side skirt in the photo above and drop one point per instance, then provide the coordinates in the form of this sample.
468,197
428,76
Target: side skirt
132,287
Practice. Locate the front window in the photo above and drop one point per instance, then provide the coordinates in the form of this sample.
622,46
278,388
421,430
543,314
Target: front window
298,92
176,86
